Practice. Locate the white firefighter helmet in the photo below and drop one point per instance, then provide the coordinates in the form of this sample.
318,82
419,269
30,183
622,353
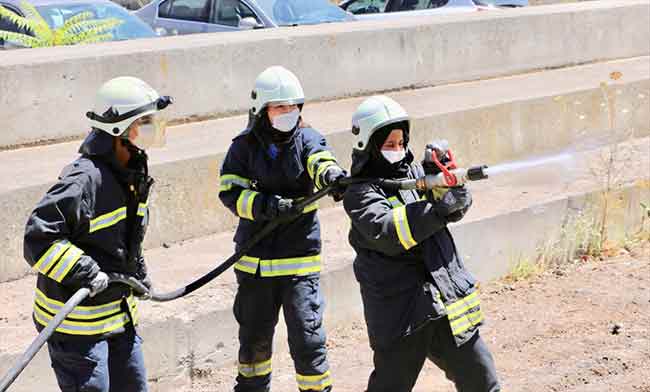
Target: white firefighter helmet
123,100
374,113
276,85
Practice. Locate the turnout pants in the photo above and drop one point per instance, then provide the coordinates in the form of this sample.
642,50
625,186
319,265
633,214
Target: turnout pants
257,307
114,364
470,367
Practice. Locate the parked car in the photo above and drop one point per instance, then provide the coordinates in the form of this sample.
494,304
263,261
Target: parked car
202,16
382,9
56,12
506,3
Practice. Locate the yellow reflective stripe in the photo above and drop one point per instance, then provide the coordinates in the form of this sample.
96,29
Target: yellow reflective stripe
51,256
248,264
314,383
133,306
394,201
84,328
439,192
245,204
79,312
313,161
142,208
255,369
402,227
67,261
312,207
452,307
466,322
228,180
468,305
280,267
321,168
290,266
107,220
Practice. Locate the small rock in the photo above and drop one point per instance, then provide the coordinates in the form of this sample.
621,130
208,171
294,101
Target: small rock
559,272
165,245
616,329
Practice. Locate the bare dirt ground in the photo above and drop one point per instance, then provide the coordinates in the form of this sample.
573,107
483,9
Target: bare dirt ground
582,327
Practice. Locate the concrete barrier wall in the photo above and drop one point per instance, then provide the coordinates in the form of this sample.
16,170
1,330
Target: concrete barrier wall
45,93
185,203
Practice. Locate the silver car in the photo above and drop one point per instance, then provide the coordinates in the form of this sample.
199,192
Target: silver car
382,9
202,16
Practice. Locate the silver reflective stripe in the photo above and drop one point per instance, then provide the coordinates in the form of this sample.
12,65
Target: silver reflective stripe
68,260
107,220
245,204
84,328
402,228
474,303
461,305
466,322
53,253
228,180
276,268
318,382
142,209
255,369
263,368
247,370
394,201
322,383
248,264
79,312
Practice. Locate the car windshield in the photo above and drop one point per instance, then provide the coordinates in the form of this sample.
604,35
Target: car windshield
298,12
56,15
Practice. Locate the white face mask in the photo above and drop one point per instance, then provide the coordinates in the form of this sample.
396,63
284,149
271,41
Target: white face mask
286,122
393,156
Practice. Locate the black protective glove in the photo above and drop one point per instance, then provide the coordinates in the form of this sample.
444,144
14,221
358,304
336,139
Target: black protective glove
149,285
143,276
332,178
454,204
278,207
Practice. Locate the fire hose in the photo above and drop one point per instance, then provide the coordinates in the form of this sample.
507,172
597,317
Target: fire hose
452,177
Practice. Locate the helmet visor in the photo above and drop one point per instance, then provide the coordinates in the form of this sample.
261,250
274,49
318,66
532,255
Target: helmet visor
151,132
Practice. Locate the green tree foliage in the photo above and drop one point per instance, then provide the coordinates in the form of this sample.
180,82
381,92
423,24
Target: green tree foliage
79,29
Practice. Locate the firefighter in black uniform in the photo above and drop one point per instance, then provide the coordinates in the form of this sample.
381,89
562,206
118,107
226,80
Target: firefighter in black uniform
275,161
90,223
419,300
